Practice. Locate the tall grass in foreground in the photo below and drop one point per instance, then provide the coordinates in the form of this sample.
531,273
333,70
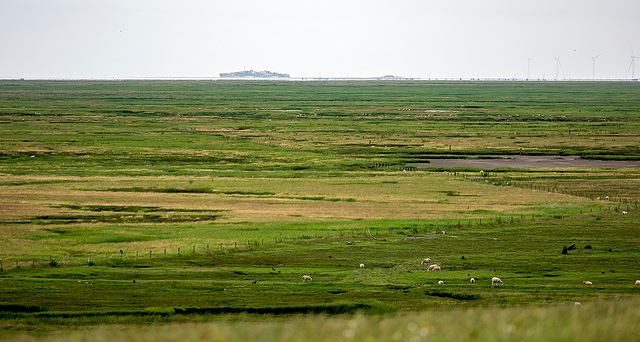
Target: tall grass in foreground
601,321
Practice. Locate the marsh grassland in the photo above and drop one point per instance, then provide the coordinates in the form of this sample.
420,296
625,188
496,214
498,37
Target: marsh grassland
190,210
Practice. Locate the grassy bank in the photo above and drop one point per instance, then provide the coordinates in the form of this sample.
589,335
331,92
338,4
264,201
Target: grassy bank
611,321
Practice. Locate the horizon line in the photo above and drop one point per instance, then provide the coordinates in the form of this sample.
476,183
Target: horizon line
336,78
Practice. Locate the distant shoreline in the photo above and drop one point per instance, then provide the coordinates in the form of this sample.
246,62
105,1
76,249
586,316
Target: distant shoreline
206,78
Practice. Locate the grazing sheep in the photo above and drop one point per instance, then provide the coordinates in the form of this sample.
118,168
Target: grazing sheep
496,281
431,267
425,261
306,278
637,282
624,213
472,280
586,282
606,198
437,268
361,265
440,282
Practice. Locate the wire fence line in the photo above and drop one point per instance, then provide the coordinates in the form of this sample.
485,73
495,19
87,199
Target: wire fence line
409,231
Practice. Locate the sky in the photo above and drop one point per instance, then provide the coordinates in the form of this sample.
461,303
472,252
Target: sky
116,39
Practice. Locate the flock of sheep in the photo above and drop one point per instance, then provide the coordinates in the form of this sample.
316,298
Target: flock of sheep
435,267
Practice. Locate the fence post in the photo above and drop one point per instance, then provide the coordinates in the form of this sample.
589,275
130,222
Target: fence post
149,255
207,248
136,255
165,252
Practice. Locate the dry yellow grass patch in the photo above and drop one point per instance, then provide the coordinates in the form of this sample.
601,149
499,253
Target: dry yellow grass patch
403,196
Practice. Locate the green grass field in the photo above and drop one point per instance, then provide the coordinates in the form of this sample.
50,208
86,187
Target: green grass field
197,207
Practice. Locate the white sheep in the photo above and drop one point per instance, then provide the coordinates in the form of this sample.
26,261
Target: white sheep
306,278
637,282
586,282
496,281
361,265
606,198
472,280
425,261
440,282
434,267
624,213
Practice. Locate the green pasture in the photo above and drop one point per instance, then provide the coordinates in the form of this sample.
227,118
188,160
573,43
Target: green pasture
175,202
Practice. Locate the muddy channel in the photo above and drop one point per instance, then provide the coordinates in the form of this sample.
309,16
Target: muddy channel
515,161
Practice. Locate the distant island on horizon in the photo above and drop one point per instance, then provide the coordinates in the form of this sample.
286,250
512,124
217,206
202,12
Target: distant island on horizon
253,74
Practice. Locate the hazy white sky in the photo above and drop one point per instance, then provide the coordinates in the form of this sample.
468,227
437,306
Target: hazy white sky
308,38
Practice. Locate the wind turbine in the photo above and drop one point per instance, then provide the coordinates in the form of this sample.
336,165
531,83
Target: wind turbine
529,67
632,66
594,64
558,66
